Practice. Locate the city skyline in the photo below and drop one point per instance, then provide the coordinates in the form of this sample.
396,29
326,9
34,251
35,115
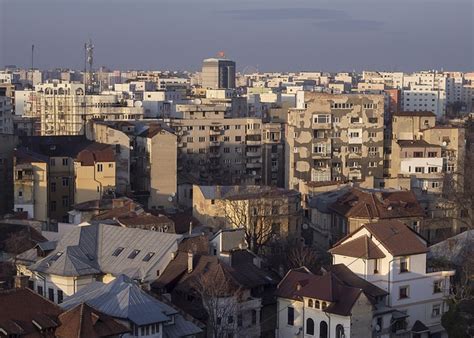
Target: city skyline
329,36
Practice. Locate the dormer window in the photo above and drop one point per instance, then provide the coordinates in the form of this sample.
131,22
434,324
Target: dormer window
117,251
310,303
317,305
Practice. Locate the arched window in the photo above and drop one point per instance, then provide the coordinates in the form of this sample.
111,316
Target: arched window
60,91
339,331
79,91
317,305
324,305
309,326
310,303
323,329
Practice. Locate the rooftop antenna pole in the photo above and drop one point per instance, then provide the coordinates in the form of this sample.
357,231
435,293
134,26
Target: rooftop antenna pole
32,62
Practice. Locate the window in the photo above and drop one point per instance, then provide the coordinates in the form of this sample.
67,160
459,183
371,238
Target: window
226,150
438,286
324,305
336,134
372,164
432,170
226,139
310,303
376,266
53,186
40,290
53,206
323,329
202,139
403,264
238,138
230,319
317,305
254,317
111,165
65,161
189,139
373,120
339,331
403,292
354,134
237,127
336,119
148,256
419,170
291,316
117,251
432,154
52,162
372,134
355,119
51,294
65,201
321,118
20,193
100,168
202,127
65,181
310,326
436,311
134,254
239,320
418,154
60,296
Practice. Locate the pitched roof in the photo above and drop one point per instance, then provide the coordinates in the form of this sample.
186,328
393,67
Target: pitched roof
395,236
17,318
96,152
361,247
398,238
85,321
87,250
339,285
377,204
121,298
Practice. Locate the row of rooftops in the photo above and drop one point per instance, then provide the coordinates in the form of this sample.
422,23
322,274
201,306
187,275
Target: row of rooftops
41,148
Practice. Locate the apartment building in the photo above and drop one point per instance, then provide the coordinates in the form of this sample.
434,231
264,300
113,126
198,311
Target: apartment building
335,138
8,144
227,151
53,173
6,113
392,256
63,108
426,153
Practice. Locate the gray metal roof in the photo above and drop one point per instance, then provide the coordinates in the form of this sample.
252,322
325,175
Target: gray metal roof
87,250
122,298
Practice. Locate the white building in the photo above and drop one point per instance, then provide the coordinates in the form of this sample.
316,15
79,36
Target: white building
392,256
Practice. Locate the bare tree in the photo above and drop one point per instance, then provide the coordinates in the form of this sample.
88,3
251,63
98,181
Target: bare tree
262,218
220,300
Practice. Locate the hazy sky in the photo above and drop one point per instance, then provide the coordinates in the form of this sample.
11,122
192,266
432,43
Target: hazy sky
269,34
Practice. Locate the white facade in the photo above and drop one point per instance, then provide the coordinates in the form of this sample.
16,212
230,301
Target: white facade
412,290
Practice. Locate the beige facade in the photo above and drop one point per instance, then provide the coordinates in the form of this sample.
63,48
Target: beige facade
335,138
94,180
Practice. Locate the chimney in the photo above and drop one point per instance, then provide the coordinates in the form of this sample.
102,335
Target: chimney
190,227
190,261
21,281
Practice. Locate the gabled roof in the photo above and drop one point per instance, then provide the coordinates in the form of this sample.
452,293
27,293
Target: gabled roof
85,321
377,204
288,285
361,247
121,298
396,237
87,250
20,309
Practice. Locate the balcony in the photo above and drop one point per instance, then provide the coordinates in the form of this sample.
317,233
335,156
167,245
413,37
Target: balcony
253,165
253,132
216,132
253,153
215,144
321,156
253,143
325,126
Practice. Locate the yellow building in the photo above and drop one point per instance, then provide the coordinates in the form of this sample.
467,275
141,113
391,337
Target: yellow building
51,174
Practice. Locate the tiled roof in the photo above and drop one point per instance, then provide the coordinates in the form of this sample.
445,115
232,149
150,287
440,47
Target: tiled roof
20,308
361,247
87,250
377,204
396,237
85,321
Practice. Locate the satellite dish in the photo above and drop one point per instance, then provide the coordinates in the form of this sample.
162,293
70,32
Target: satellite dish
377,328
304,226
173,194
198,101
170,199
138,104
445,143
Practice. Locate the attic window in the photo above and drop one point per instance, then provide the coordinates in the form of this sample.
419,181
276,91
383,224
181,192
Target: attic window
134,254
56,257
148,256
117,251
